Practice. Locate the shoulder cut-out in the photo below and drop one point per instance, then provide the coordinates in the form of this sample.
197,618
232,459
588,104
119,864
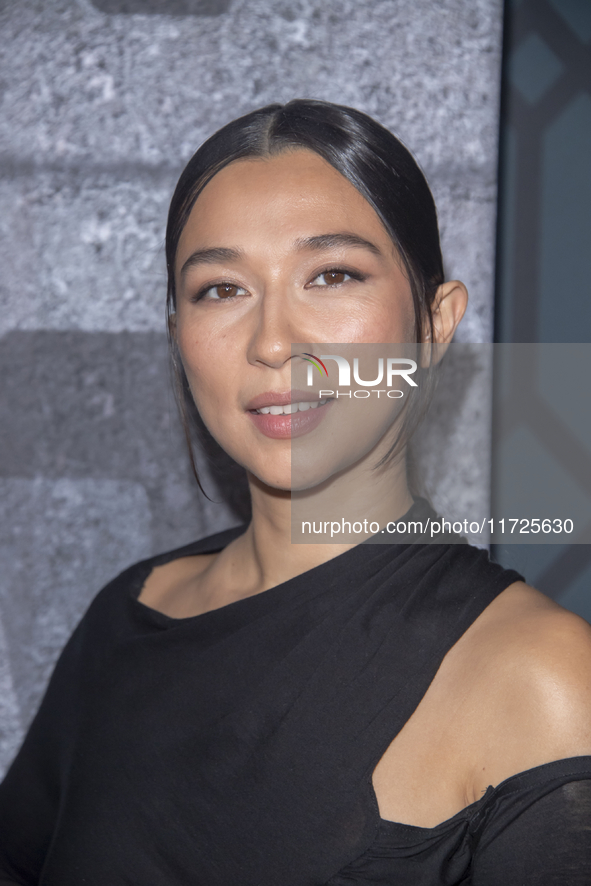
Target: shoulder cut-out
532,662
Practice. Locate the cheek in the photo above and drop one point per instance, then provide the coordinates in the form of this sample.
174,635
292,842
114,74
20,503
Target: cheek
383,317
401,313
402,322
201,347
211,371
392,321
200,365
388,314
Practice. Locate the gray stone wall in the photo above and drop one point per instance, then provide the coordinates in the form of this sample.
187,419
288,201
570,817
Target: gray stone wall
102,105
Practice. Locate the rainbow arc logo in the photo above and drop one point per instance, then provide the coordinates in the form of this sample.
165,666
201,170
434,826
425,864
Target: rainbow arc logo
317,362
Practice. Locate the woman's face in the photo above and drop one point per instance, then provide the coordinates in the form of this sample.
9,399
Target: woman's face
275,252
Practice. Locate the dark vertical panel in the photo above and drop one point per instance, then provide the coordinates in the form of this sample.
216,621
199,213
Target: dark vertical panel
543,290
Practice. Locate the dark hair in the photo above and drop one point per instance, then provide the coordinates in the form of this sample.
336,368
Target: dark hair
375,162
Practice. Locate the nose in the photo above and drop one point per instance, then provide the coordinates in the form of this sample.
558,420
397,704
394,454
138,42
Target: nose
273,331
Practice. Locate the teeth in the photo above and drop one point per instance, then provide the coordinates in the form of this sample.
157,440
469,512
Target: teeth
290,408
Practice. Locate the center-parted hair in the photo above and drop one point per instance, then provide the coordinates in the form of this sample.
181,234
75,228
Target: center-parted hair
370,157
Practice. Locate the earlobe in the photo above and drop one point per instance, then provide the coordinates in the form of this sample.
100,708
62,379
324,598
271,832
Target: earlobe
449,306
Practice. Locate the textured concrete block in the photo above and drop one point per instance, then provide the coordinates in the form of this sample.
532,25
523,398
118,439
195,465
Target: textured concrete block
61,541
82,250
467,218
11,727
162,7
149,88
99,405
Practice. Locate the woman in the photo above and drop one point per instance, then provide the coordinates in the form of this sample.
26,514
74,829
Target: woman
249,711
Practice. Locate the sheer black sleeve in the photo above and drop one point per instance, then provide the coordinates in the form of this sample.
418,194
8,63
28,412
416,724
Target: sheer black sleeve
548,843
29,794
31,791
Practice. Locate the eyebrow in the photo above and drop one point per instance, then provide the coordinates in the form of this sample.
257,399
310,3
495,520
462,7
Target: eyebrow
330,241
215,255
222,254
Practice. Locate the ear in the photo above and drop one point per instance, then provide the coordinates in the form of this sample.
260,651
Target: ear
449,306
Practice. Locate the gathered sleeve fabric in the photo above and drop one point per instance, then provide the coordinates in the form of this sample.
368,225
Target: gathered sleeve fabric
533,829
536,837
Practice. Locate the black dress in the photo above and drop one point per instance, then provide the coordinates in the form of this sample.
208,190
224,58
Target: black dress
236,747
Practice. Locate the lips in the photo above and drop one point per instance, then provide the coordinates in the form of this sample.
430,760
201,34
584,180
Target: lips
300,412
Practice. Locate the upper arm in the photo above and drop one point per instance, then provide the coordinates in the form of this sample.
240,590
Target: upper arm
540,713
535,690
554,683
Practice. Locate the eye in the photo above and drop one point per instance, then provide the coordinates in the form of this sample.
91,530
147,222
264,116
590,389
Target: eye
335,277
332,277
220,292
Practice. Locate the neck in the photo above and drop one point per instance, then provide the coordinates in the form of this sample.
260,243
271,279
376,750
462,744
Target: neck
266,555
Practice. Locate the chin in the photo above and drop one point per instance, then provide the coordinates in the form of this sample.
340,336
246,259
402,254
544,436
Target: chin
274,481
273,473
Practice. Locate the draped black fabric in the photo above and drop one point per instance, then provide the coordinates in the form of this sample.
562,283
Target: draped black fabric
237,746
534,829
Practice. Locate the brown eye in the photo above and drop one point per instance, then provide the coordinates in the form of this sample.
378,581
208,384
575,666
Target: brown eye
220,292
333,277
225,290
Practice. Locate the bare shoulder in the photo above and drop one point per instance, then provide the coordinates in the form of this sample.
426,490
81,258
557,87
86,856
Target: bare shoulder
513,693
529,636
531,684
